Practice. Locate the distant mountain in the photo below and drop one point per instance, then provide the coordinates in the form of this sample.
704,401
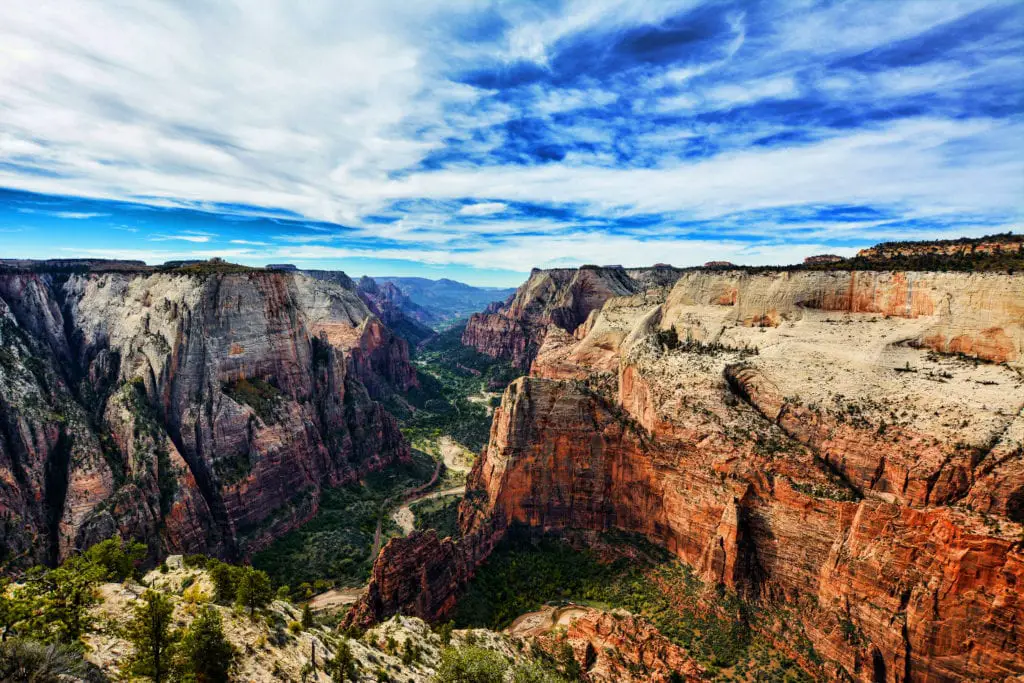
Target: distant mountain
440,303
398,311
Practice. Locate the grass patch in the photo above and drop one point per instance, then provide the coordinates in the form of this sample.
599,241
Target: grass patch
335,546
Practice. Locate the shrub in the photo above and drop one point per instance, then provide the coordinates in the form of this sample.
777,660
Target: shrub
471,665
29,660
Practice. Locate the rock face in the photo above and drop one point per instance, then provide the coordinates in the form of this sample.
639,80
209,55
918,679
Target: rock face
197,412
560,297
993,244
816,441
395,309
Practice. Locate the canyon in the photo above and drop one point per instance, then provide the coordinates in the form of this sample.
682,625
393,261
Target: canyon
199,409
840,448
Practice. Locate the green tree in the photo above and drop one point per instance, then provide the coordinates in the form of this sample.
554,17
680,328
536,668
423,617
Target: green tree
342,666
445,631
58,601
225,581
118,558
307,616
253,589
471,665
206,656
154,641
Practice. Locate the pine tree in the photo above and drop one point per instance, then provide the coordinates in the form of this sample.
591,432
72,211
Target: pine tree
58,600
150,633
253,589
206,655
307,616
343,666
225,581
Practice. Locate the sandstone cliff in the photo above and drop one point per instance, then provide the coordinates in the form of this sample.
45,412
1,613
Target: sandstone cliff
843,448
560,297
198,412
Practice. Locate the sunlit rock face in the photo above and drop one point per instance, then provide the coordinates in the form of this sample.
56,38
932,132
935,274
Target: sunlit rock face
562,297
811,440
196,412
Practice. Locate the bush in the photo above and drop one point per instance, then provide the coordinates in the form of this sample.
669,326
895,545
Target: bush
29,660
536,672
471,665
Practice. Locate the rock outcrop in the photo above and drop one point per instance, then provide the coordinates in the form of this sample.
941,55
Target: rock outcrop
561,297
198,412
843,447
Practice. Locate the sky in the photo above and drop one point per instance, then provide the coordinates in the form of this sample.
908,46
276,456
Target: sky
476,140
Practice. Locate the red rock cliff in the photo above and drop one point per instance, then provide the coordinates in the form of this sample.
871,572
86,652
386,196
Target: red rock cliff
792,437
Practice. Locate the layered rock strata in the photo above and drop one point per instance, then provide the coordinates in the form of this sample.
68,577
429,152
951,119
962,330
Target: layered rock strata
198,412
561,297
841,447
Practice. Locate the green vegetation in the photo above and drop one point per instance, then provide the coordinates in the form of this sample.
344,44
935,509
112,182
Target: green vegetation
522,575
260,395
252,589
152,637
343,666
52,605
670,340
440,514
335,546
471,665
450,374
214,266
28,660
206,656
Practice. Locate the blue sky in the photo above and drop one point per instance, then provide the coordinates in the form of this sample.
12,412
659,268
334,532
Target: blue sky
476,140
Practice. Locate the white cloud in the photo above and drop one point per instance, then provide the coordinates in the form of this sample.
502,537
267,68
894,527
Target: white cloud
183,237
71,215
483,208
330,110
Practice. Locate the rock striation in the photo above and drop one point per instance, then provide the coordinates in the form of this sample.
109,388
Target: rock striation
843,448
198,412
563,298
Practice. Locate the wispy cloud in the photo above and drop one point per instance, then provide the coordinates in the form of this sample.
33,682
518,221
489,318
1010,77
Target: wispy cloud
517,134
70,215
184,237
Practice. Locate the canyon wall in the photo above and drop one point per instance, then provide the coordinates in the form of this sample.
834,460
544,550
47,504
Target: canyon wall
563,297
843,449
196,412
